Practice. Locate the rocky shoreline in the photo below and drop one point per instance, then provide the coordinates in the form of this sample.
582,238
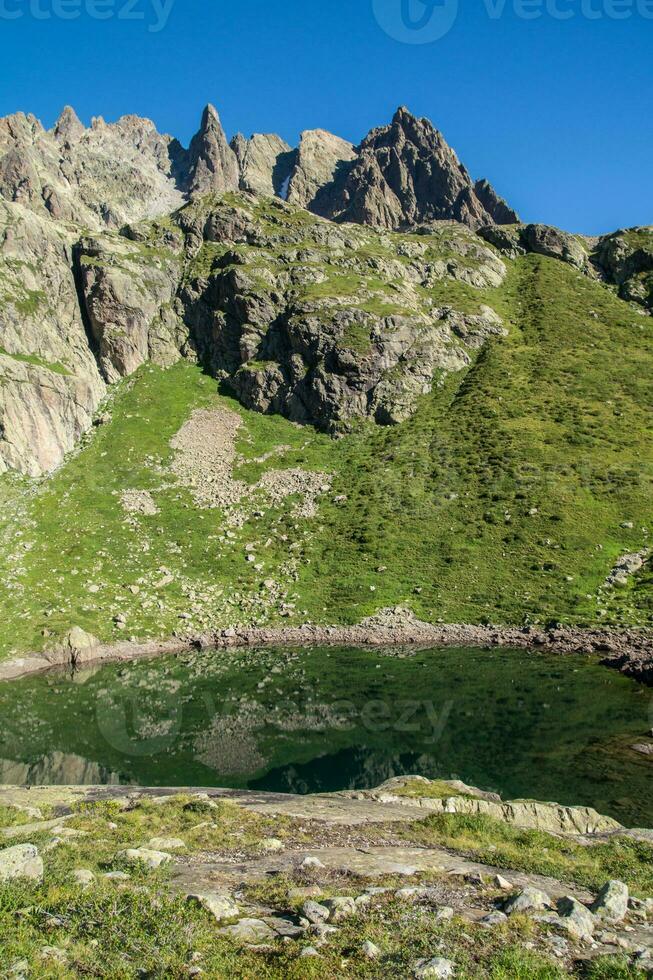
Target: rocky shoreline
630,650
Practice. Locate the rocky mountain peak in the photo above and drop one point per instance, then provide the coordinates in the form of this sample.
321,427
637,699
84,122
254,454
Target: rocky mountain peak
406,174
68,126
212,164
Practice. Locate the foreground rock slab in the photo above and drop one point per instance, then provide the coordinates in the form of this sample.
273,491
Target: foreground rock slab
22,861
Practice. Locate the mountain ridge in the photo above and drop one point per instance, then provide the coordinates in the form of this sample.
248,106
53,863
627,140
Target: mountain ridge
71,166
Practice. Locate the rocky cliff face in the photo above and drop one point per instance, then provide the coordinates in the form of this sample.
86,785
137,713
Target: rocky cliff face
104,176
50,384
265,163
625,258
325,324
112,174
321,159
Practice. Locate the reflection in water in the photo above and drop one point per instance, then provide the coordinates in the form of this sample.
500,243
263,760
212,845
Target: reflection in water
522,724
57,769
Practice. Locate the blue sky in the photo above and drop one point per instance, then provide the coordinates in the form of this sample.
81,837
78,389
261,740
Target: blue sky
558,114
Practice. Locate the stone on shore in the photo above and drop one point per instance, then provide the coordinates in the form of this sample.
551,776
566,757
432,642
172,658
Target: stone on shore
576,919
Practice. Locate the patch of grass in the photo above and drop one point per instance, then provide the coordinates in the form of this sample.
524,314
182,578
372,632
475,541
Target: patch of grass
435,789
37,361
216,826
493,842
613,968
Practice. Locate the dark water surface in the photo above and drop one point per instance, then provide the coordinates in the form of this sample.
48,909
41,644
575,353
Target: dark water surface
524,724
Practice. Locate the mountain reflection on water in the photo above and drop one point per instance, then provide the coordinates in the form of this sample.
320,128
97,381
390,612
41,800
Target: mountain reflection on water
521,723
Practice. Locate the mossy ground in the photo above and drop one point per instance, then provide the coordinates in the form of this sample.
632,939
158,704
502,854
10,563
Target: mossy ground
506,498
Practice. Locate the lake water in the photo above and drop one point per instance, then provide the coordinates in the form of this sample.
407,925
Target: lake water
524,724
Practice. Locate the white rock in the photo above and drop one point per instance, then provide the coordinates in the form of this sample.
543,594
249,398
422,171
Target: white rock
500,882
438,968
340,908
311,862
370,951
529,900
250,931
166,844
54,953
576,919
143,855
83,877
21,861
221,907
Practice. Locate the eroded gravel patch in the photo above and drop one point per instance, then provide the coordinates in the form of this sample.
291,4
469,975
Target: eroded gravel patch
204,462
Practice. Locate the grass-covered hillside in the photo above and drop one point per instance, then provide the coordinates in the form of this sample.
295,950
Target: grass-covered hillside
508,495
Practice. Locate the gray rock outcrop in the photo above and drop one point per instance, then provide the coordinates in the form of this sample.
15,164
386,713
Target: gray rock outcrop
265,163
127,290
321,159
21,861
103,176
289,337
625,258
612,902
50,385
516,239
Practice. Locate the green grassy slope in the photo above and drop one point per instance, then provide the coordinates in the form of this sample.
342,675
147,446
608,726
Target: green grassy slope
504,498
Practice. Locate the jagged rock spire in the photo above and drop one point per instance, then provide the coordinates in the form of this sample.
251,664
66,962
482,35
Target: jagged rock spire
212,163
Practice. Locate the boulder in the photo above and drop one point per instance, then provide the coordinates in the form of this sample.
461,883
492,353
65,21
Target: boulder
435,969
143,855
529,900
612,902
21,861
315,912
370,951
221,907
576,919
83,877
249,931
340,908
166,844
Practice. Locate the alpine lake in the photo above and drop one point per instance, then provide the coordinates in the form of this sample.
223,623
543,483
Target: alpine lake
523,724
